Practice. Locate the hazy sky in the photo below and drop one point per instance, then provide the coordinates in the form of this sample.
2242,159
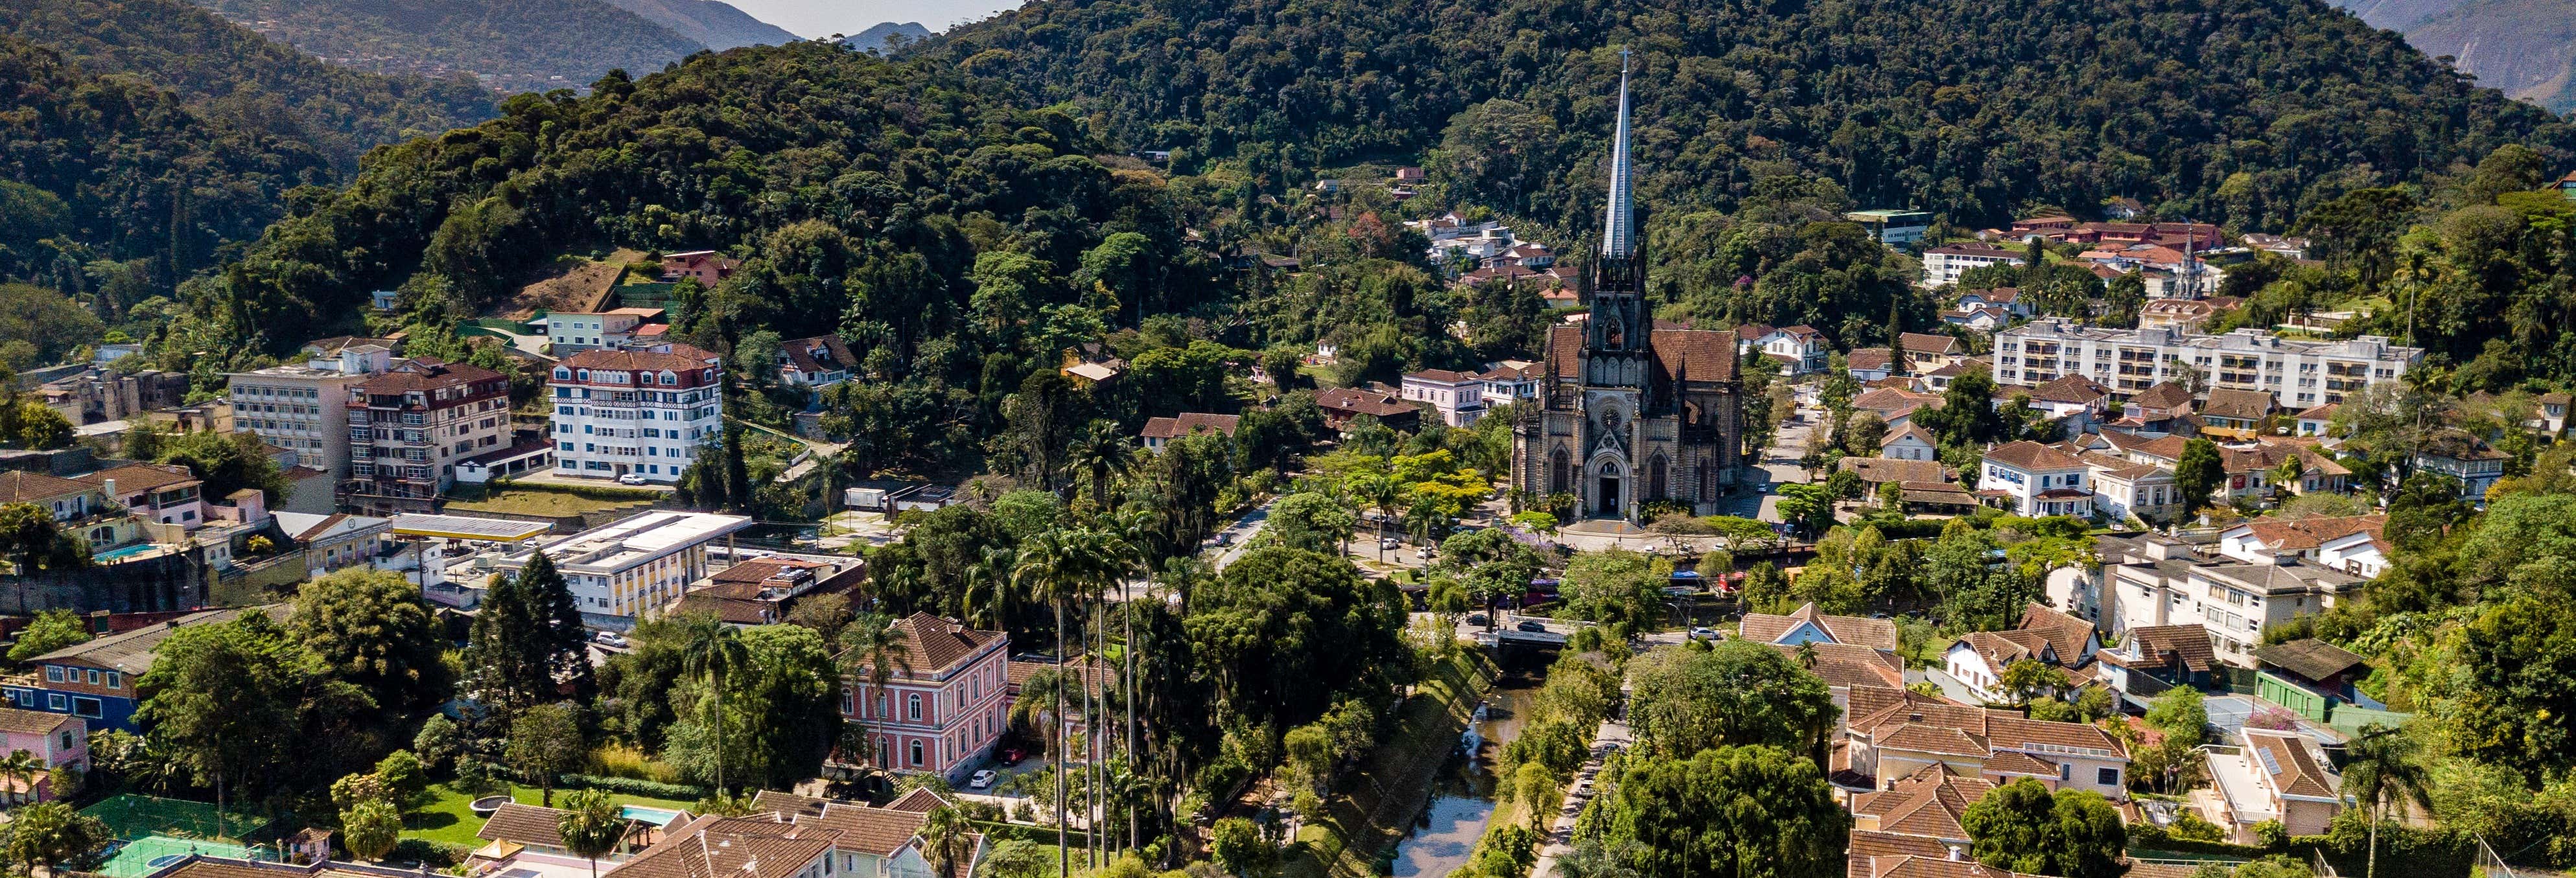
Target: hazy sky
823,18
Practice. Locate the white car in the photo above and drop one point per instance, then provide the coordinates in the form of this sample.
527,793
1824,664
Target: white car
982,779
631,479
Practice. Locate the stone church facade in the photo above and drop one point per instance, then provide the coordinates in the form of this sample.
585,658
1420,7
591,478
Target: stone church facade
1631,412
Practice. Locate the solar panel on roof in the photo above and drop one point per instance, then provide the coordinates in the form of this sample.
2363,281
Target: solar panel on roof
414,524
2270,764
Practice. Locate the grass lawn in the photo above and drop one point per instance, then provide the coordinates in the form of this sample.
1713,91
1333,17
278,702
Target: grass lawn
447,820
532,501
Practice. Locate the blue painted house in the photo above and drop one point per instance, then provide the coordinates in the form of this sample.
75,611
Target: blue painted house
96,680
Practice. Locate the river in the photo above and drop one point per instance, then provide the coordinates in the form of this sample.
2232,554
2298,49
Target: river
1464,799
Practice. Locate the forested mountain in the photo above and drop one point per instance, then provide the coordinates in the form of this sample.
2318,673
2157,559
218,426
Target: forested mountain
883,34
2526,47
109,182
231,75
2240,111
717,25
509,45
943,222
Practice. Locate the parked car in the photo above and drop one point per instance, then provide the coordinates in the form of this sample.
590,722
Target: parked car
1478,619
1012,756
1703,633
1532,625
1225,538
982,779
1389,543
631,479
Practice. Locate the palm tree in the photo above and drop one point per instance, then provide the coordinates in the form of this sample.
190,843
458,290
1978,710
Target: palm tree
592,825
712,650
1385,494
1104,454
2383,766
947,840
18,764
1068,565
872,647
1047,563
993,573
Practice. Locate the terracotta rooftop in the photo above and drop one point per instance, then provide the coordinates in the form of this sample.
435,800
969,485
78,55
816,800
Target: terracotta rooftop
2032,456
1769,628
1189,422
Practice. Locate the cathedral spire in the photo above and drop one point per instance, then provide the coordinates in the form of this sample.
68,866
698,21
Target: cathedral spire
1619,219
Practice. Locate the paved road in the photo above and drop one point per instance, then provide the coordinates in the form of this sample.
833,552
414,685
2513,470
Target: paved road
1778,464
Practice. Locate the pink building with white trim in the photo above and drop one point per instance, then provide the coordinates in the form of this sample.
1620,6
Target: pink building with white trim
944,706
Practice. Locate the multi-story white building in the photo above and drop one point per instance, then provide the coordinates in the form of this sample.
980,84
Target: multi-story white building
1460,397
569,331
619,570
2300,374
415,422
1943,265
642,412
306,408
2153,581
2037,480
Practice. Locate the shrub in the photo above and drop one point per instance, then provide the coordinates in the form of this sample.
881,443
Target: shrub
433,854
635,787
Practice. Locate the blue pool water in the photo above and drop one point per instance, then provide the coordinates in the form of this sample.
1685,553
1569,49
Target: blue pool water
655,816
127,552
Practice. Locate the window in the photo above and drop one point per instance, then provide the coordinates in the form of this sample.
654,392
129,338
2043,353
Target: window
66,741
2109,777
912,709
916,751
53,673
849,701
93,676
54,701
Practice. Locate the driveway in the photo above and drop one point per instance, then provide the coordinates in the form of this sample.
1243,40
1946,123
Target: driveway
1778,465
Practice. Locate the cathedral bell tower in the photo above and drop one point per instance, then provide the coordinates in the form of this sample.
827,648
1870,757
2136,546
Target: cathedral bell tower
1617,335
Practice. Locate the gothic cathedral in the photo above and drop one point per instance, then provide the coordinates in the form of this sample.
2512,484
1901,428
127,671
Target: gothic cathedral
1632,411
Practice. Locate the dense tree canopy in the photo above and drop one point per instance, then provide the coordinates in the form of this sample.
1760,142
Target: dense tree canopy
2243,112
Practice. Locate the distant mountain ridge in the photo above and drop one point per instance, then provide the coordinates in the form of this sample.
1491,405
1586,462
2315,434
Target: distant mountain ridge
718,25
876,38
228,74
2525,47
507,45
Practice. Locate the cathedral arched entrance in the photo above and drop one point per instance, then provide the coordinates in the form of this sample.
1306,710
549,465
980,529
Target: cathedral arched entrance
1610,485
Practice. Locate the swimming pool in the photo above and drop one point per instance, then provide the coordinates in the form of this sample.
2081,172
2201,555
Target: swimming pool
655,816
127,552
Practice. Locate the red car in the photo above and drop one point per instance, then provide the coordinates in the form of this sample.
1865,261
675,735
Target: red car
1011,755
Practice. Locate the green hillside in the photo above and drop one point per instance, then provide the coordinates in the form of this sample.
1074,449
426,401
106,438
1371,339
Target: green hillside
229,73
510,45
2240,111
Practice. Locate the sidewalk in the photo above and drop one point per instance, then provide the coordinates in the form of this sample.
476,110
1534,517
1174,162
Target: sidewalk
1560,835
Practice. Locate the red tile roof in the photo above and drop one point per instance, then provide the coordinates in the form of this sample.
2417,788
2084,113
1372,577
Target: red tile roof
1187,423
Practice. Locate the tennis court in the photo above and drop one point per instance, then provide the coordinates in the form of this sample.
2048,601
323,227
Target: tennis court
133,817
143,856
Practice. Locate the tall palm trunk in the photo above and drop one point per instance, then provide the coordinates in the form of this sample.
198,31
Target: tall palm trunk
2372,869
1127,615
1091,741
1063,866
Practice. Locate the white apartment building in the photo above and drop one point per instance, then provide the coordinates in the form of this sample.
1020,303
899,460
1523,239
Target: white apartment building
571,331
1459,397
642,411
2153,580
1943,265
2299,374
305,408
620,570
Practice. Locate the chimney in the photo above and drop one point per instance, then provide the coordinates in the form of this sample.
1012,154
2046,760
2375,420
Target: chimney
111,490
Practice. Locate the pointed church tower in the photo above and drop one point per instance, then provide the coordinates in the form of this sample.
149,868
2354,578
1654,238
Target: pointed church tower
1616,339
